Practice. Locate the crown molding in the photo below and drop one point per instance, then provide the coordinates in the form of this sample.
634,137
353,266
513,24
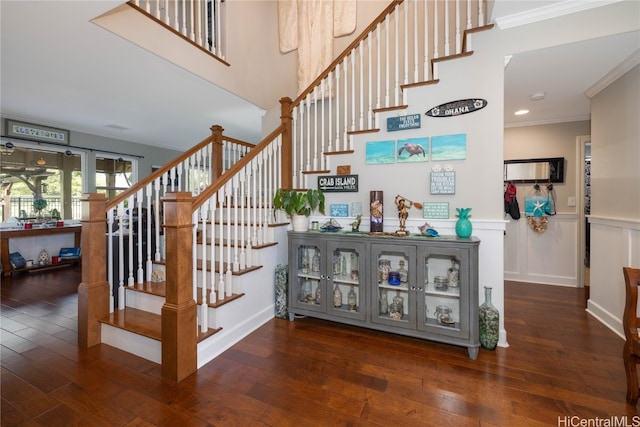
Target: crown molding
555,10
613,75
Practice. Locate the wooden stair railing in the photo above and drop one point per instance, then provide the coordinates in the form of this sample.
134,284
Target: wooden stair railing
243,192
401,48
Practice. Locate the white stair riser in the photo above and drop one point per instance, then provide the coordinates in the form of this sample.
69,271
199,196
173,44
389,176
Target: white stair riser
144,301
139,345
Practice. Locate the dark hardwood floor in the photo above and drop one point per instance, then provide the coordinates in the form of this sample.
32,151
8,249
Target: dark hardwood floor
561,363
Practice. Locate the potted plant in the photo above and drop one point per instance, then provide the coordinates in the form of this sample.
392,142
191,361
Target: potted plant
298,205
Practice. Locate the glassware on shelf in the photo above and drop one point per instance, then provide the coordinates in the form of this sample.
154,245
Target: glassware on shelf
443,315
396,308
394,278
306,291
352,299
318,294
354,274
315,261
384,266
404,273
337,296
453,274
354,261
384,301
305,262
343,265
337,268
441,283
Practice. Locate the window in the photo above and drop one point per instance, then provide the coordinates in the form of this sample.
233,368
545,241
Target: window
114,174
29,172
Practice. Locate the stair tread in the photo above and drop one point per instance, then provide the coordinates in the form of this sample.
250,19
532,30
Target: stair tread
240,272
145,323
225,242
137,321
159,289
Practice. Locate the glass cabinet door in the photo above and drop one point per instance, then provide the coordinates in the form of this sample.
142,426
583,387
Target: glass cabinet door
307,286
345,274
393,276
444,305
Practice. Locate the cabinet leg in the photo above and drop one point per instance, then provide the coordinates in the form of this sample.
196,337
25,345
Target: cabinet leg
292,316
473,352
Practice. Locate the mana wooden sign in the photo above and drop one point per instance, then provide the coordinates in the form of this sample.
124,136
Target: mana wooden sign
457,108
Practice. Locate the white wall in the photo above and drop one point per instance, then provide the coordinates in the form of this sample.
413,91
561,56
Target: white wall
478,176
550,257
615,190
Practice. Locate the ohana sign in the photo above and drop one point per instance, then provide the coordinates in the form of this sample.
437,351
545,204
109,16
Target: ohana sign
457,108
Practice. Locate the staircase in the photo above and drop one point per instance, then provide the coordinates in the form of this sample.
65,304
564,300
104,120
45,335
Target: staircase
192,248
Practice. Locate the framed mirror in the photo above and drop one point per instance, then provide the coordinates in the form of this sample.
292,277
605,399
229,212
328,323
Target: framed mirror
534,170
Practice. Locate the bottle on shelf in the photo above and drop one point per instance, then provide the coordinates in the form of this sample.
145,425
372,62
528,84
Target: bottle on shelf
396,308
318,294
384,301
352,299
404,274
337,296
453,274
315,261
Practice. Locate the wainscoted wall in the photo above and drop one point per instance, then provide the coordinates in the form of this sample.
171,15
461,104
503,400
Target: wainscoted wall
550,257
618,244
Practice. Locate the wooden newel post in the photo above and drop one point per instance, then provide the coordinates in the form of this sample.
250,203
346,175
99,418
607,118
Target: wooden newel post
93,291
287,142
179,323
216,131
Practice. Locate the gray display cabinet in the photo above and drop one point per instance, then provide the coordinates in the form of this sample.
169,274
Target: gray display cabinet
434,279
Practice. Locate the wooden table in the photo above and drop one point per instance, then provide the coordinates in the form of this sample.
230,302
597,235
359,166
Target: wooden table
7,234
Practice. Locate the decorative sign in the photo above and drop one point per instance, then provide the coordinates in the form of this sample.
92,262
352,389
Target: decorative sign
435,210
457,108
356,208
343,170
36,132
339,210
411,121
338,183
443,182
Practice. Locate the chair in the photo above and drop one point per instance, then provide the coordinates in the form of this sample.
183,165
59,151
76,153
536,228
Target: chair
630,322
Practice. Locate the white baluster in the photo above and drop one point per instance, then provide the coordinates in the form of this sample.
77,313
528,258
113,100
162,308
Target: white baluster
156,212
294,151
426,41
370,79
110,258
255,198
346,103
140,237
361,118
315,128
330,101
396,62
242,206
204,312
458,45
234,224
131,204
387,63
307,142
149,263
337,107
480,13
353,90
120,256
221,245
228,277
446,28
212,248
416,61
322,123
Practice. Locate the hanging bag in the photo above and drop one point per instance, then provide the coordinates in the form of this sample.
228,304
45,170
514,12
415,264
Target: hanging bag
511,206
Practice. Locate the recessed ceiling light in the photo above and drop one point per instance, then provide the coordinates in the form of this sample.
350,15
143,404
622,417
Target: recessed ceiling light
537,96
521,112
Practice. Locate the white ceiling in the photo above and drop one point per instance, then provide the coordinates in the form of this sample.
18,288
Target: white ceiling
59,69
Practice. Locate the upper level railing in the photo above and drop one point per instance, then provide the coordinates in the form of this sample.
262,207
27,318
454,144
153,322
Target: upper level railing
400,48
199,21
